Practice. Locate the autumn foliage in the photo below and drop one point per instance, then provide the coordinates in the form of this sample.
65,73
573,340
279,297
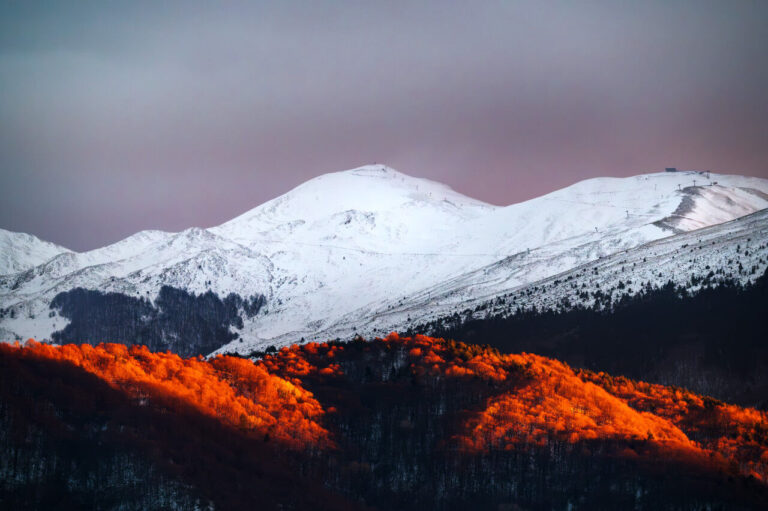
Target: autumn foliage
555,404
537,400
727,432
521,401
544,400
236,391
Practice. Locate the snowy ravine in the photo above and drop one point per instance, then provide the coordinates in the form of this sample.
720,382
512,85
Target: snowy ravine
371,249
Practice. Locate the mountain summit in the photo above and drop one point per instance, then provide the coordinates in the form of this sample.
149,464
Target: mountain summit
354,201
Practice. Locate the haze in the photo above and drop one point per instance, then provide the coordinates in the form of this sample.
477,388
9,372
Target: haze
117,117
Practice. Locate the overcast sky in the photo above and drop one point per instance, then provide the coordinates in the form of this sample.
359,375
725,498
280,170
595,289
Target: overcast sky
117,117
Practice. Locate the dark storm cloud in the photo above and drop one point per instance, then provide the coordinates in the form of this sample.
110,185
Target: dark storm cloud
120,117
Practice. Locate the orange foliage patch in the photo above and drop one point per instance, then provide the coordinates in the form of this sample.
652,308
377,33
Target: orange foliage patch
539,400
738,434
449,358
555,404
298,360
236,391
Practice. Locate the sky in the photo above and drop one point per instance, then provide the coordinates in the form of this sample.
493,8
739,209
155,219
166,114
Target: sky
121,116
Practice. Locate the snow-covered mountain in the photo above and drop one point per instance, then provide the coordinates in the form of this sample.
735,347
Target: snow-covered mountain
341,251
19,251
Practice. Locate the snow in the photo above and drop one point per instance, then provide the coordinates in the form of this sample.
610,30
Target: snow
732,251
714,204
348,250
20,251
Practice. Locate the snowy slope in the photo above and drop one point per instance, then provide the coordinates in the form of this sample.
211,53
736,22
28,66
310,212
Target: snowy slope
536,239
339,251
711,205
19,251
732,251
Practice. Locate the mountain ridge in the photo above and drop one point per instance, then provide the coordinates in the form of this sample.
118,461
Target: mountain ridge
371,235
20,251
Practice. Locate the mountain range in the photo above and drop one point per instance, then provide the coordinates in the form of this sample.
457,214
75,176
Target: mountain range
371,250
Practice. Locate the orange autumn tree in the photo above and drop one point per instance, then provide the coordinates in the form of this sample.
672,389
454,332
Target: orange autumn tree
297,360
556,405
237,392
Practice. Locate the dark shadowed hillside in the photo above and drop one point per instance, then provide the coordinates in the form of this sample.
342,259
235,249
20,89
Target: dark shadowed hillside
712,342
182,322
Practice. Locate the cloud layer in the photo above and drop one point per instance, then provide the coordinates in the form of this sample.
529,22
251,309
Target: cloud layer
116,118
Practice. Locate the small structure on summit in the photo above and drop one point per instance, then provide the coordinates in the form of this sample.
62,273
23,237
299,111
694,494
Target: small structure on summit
670,169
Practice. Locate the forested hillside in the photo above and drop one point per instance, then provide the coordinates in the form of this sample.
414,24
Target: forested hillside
711,341
395,423
182,322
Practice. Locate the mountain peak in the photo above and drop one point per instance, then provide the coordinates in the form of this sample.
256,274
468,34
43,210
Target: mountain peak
377,178
377,189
